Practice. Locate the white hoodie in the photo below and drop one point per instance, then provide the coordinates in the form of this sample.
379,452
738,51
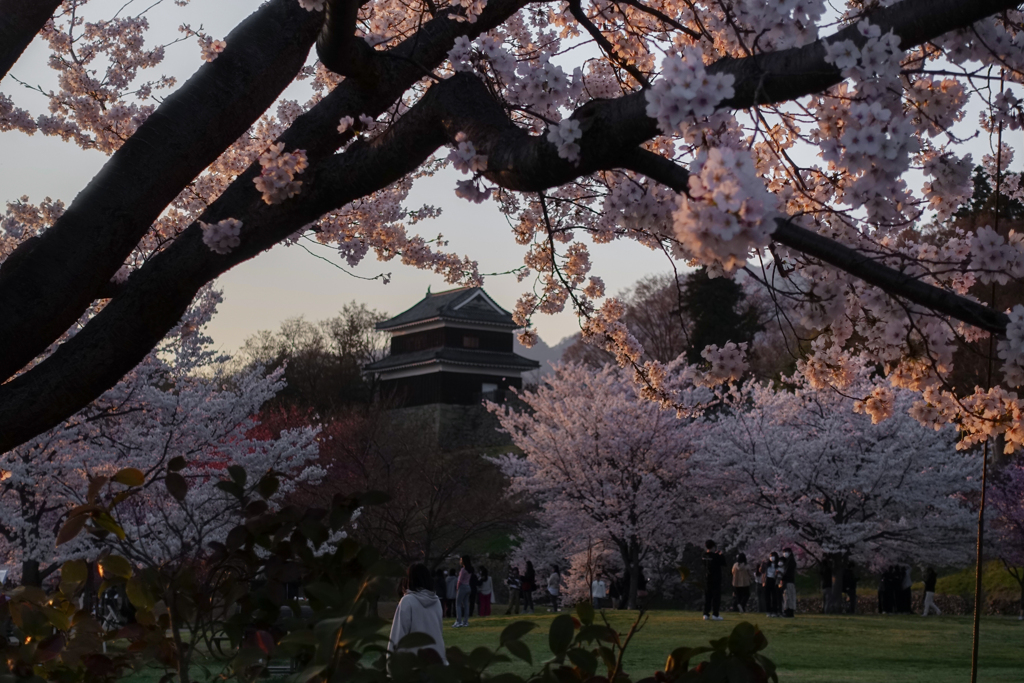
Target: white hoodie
418,612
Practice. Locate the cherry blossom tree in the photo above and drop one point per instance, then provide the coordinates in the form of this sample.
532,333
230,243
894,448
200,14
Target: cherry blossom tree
181,426
802,469
1008,505
605,467
813,143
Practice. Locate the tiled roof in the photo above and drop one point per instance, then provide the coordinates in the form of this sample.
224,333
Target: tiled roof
453,356
468,304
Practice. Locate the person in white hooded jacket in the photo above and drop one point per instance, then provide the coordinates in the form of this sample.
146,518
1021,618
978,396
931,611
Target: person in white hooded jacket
419,611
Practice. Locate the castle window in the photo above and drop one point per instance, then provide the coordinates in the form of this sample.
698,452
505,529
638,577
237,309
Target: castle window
471,342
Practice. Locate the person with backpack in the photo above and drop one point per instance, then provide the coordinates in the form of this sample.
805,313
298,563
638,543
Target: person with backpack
713,562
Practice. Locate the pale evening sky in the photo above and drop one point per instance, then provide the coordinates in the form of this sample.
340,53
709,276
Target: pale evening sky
287,281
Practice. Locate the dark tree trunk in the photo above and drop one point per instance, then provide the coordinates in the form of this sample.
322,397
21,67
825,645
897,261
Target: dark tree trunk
30,574
840,563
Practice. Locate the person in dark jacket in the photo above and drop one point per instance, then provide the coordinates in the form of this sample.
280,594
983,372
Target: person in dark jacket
929,593
527,586
850,587
788,583
713,562
825,572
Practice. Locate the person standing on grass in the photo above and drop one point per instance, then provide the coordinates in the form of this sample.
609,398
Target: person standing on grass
474,584
484,590
850,587
450,583
554,587
771,584
713,564
419,611
825,572
762,604
929,593
513,583
529,584
462,592
789,583
741,581
598,591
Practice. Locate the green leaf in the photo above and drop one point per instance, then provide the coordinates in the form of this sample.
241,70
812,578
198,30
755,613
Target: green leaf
742,639
115,565
269,485
139,594
519,649
73,575
515,631
584,660
177,464
95,486
237,474
679,661
130,476
231,488
561,633
176,485
585,611
415,641
105,521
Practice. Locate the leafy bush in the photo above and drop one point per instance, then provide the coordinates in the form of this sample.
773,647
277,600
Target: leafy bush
233,603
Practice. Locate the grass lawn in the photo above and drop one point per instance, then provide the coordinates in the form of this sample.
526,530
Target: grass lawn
818,648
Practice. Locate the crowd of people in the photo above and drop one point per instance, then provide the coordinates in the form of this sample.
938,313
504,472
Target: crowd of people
458,592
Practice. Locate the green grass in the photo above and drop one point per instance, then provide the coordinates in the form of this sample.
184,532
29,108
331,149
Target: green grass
811,648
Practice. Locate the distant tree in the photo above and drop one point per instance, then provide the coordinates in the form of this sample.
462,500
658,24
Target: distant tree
604,466
323,360
440,501
671,317
801,468
1008,526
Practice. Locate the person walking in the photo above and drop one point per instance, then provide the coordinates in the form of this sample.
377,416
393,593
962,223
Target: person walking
850,587
512,580
528,585
484,590
462,592
713,565
419,611
554,587
450,582
825,573
741,580
771,585
789,583
929,593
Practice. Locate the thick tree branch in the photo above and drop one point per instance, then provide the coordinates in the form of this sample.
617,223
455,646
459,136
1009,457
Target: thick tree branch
45,291
20,21
131,324
338,47
824,249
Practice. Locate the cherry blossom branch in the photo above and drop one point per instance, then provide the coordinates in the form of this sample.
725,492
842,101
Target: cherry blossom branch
339,49
889,280
20,21
49,282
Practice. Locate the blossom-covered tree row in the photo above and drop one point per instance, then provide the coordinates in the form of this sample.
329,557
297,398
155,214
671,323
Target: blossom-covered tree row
822,148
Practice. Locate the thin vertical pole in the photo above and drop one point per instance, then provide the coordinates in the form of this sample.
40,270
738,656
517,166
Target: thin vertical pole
978,597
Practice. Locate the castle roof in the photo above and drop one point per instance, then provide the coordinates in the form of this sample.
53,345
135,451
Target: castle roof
466,304
467,358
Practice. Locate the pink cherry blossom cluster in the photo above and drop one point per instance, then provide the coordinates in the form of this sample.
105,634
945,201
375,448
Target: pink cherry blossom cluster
564,137
728,364
727,211
277,180
1011,349
223,236
686,92
211,48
